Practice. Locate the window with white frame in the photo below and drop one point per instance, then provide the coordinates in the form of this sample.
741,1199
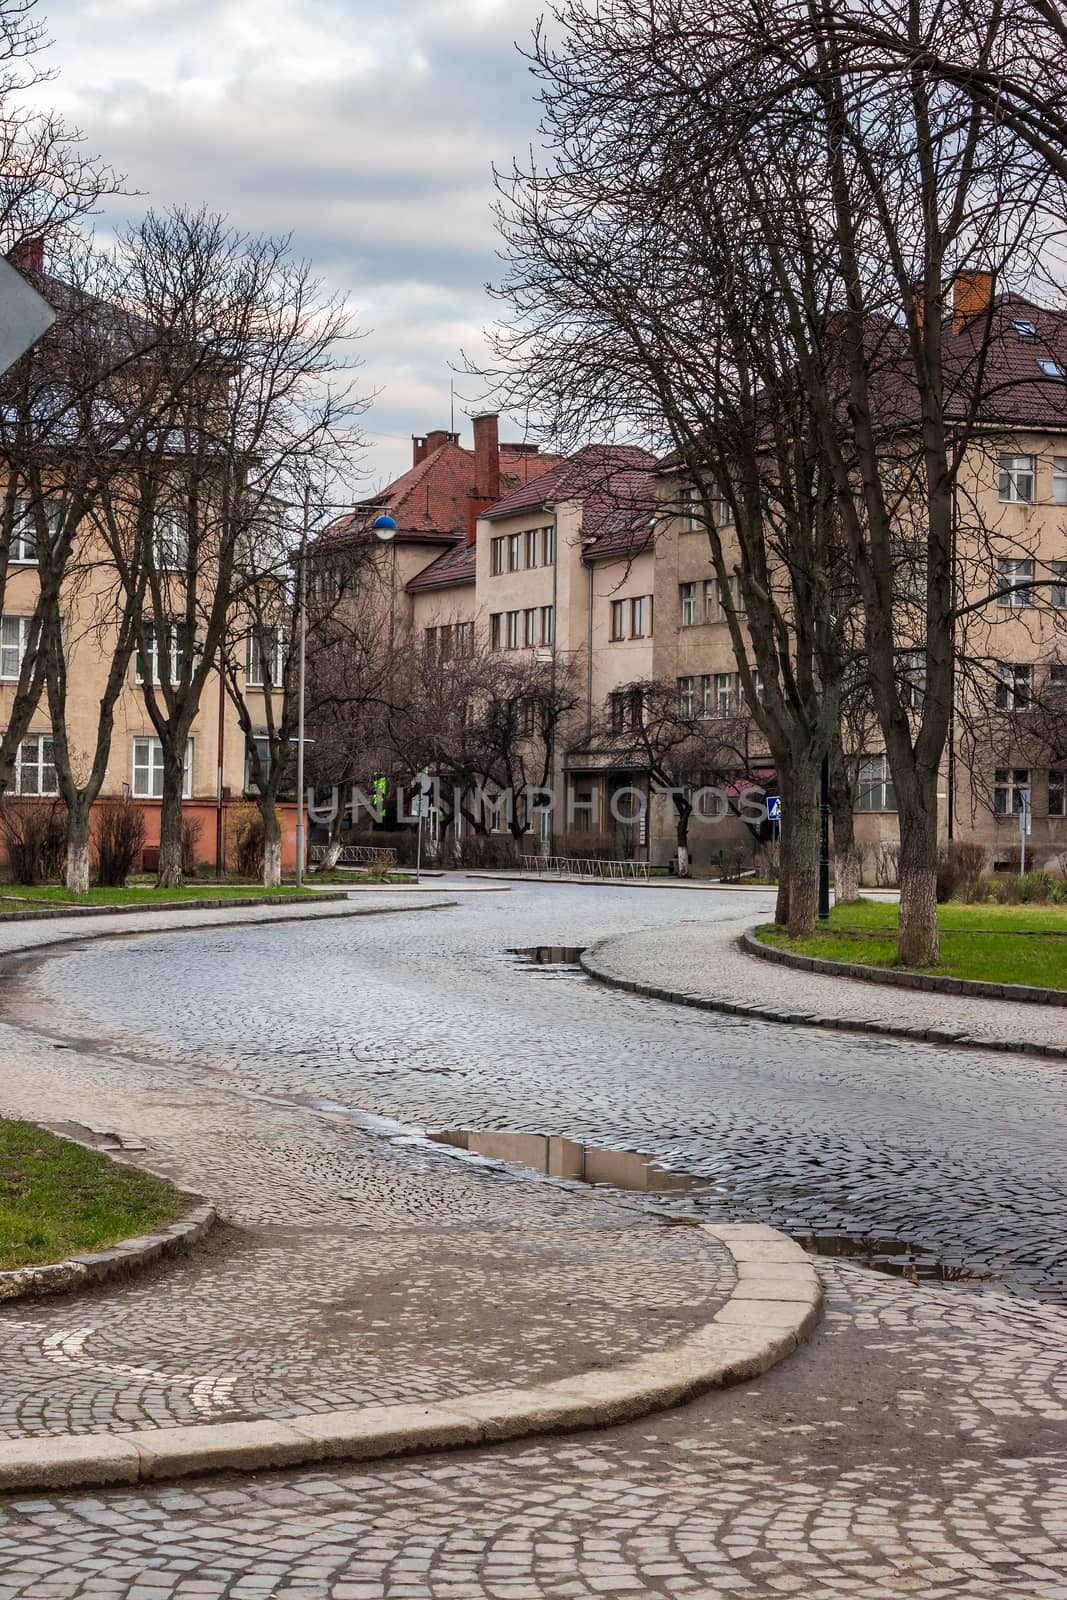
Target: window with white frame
148,769
464,639
911,678
170,541
14,636
1011,791
729,598
724,693
710,599
548,545
35,767
690,509
618,620
1025,330
1017,479
1015,582
874,785
640,616
1059,480
497,556
1058,587
529,626
496,631
161,645
515,552
266,648
531,547
687,595
1015,685
722,511
548,624
686,687
22,550
1057,791
707,695
262,744
514,629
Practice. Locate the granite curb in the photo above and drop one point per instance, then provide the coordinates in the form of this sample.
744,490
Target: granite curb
122,1260
775,1304
958,1039
222,903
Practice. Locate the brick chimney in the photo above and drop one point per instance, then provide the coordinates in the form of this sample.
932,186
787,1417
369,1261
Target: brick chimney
28,255
972,293
486,469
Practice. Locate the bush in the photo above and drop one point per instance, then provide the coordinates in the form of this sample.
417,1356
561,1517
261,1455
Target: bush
960,865
887,864
119,839
251,846
35,839
192,828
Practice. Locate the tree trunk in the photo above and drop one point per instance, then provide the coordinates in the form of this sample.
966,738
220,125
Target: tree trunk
272,842
804,839
846,856
681,834
169,874
919,944
78,849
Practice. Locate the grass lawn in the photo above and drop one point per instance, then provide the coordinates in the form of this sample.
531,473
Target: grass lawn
136,894
58,1200
1006,955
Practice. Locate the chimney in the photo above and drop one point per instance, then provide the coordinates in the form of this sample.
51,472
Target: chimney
418,448
972,293
486,469
28,255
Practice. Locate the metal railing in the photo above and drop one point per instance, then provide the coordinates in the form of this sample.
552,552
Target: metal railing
358,855
578,867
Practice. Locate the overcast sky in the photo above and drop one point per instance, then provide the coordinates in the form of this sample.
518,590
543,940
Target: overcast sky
367,128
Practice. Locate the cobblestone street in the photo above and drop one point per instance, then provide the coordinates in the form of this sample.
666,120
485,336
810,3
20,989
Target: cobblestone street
915,1447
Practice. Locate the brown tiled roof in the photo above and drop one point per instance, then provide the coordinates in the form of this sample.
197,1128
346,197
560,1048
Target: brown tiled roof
430,502
587,474
456,565
617,519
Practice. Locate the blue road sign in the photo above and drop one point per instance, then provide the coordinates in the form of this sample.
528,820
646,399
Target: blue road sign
774,808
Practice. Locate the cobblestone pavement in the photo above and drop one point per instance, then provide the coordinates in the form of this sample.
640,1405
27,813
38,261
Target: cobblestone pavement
915,1447
705,962
429,1020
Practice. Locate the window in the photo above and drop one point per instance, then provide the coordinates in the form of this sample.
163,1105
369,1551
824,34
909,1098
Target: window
531,547
1019,577
639,616
1011,791
911,678
1059,480
514,634
170,542
529,626
148,769
1057,677
1057,791
464,639
262,744
35,771
496,631
707,698
688,595
497,557
14,635
268,649
729,599
23,546
1058,587
515,552
724,698
722,512
874,786
627,709
527,717
711,604
548,546
548,624
685,696
1026,331
757,684
173,653
1017,476
1015,681
1050,368
618,619
690,513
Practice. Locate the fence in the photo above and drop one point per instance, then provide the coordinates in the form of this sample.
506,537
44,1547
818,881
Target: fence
358,855
577,867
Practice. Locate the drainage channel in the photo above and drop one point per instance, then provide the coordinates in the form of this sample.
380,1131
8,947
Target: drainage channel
570,1161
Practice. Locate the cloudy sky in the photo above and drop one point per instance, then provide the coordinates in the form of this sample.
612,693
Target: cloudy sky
367,128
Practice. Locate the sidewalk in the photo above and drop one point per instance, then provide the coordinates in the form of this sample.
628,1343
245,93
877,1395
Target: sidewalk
702,964
365,1293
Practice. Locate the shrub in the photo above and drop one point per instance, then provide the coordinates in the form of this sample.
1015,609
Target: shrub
960,865
250,848
886,864
119,838
1034,888
35,839
192,828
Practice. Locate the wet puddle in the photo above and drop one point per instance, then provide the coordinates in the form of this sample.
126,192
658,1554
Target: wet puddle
551,960
556,1157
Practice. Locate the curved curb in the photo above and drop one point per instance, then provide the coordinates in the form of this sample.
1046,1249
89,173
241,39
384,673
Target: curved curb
53,912
959,1040
928,983
120,1260
775,1304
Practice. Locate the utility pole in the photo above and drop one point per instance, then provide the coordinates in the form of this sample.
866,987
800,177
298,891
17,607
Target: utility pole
824,840
301,608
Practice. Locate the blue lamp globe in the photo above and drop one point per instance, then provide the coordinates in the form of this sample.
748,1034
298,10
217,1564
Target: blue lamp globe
384,527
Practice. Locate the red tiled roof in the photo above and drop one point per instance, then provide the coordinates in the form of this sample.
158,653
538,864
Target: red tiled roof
587,474
452,566
617,518
430,502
